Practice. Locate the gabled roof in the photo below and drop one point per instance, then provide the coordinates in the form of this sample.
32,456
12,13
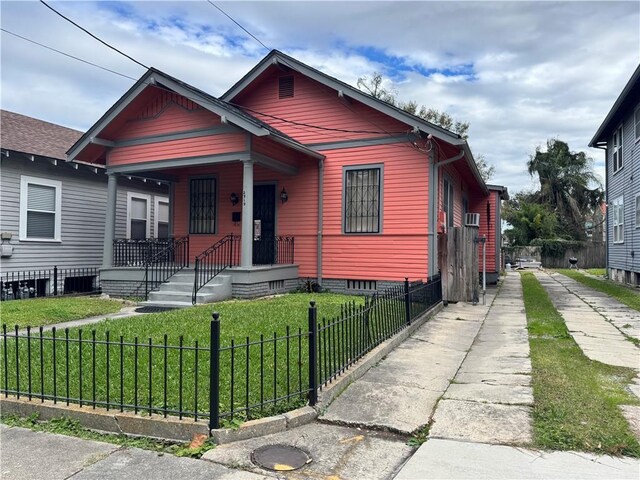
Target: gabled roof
275,57
35,137
503,192
628,99
157,78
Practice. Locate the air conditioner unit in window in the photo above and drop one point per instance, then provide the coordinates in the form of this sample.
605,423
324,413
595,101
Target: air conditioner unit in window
472,220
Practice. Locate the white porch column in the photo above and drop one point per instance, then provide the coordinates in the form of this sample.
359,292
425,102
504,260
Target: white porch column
246,257
110,220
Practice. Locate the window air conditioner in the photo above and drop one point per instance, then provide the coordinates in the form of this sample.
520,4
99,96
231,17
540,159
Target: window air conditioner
472,220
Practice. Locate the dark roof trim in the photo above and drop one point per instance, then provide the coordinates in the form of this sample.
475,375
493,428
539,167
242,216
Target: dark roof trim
502,191
276,57
214,105
602,133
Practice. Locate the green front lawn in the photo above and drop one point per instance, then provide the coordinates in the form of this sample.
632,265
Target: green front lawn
626,295
48,310
129,370
575,399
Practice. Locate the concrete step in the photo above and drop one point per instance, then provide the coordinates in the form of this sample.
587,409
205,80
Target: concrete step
178,291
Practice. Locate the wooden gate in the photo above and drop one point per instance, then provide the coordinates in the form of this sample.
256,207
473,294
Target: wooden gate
458,260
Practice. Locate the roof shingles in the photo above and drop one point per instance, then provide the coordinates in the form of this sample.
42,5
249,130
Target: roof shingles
36,137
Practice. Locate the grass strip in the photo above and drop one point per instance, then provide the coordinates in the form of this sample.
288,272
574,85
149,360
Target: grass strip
67,426
626,295
48,310
600,272
576,399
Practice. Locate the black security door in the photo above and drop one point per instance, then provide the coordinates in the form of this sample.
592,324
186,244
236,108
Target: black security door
264,224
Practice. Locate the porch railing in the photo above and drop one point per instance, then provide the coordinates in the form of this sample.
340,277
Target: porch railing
278,250
165,263
128,252
219,256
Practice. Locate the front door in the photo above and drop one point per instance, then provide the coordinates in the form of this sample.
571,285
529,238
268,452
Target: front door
264,224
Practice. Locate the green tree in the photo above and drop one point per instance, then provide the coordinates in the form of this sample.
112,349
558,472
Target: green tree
529,219
568,186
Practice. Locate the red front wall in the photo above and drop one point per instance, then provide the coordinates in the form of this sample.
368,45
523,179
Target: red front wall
401,249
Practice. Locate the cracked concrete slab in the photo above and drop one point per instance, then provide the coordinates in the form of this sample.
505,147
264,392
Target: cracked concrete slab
398,408
487,393
482,422
336,452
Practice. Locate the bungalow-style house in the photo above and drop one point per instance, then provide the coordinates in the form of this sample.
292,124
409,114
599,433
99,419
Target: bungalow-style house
52,212
619,136
290,177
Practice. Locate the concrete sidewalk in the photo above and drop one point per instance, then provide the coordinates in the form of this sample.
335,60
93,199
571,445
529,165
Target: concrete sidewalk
490,398
27,455
400,393
449,459
590,318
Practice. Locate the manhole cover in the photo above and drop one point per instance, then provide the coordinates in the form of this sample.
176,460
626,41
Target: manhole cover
153,309
280,458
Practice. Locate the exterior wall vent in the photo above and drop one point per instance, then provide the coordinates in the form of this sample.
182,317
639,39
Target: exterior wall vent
285,87
472,219
360,285
276,284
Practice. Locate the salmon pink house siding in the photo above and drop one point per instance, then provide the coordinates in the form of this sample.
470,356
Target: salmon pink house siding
306,176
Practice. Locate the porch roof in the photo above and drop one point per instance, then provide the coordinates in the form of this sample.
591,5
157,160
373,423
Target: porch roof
90,144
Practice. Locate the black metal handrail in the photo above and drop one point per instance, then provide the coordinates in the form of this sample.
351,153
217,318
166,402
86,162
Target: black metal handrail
165,263
219,256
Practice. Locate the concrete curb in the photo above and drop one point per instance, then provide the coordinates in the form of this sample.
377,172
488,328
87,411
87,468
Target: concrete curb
170,428
173,428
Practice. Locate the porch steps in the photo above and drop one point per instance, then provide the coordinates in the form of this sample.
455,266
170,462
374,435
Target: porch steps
178,290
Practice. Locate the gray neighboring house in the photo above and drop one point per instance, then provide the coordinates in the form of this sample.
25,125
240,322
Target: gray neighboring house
619,136
52,212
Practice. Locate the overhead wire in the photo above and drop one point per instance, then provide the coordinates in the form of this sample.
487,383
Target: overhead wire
238,24
301,125
67,54
91,34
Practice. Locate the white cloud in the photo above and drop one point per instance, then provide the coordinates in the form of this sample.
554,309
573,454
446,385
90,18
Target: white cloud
540,69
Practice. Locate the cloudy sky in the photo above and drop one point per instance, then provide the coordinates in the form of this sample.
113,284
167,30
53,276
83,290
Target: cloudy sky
518,72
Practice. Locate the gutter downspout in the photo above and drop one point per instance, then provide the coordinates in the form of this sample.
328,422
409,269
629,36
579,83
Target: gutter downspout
320,208
433,202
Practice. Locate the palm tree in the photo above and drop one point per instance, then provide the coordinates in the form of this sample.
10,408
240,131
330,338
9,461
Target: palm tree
566,181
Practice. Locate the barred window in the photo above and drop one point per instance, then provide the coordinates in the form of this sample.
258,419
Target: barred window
362,200
202,205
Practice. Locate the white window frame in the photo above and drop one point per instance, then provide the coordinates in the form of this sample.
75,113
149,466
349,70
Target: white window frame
156,209
25,181
618,219
617,156
636,122
141,196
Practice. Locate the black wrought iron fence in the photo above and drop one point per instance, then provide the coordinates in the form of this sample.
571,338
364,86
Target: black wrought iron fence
46,282
215,259
203,379
343,340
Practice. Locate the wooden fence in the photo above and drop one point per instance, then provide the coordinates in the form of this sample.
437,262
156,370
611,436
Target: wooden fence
458,261
589,255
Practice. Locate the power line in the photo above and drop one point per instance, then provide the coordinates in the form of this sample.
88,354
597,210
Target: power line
67,54
244,29
91,34
292,122
280,119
